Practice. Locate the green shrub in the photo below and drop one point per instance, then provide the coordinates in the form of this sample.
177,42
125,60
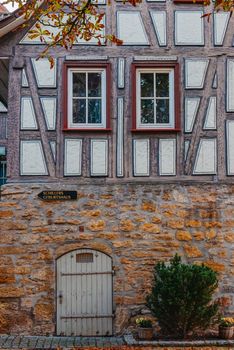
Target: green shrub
143,322
181,297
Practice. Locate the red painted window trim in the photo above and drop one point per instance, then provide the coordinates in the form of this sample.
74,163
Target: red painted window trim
196,2
82,64
153,65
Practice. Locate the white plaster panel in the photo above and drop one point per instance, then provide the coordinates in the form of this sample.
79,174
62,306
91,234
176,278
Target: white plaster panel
186,148
191,109
195,73
230,85
51,27
210,119
45,76
130,28
141,157
99,157
53,149
121,68
206,159
230,146
24,81
49,109
73,157
215,82
99,2
159,19
27,114
155,58
2,108
189,28
220,23
46,26
120,138
167,157
32,160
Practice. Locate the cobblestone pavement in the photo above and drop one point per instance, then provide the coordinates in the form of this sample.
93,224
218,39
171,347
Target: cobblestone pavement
50,342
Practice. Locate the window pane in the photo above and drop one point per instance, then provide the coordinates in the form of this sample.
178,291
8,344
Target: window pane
147,111
162,85
94,84
79,111
147,84
79,84
162,111
94,111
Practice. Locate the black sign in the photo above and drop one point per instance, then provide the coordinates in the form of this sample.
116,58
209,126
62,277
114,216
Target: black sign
58,195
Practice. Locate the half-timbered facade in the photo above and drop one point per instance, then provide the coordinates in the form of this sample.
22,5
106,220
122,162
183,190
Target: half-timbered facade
144,133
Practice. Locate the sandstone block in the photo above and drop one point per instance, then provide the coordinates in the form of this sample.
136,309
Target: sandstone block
12,225
156,220
126,225
90,213
106,196
148,227
183,236
192,251
215,265
148,206
210,234
6,214
198,235
96,225
213,224
175,224
229,237
123,244
43,311
9,250
40,230
193,223
7,279
11,292
112,236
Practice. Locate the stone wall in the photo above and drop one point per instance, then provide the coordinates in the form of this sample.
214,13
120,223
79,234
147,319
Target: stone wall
137,224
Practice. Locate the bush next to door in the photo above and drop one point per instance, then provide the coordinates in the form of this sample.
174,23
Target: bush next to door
181,297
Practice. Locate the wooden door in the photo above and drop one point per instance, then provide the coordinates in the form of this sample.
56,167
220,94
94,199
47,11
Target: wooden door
84,293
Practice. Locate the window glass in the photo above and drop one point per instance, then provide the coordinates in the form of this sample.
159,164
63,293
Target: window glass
94,111
79,84
79,111
147,85
162,85
147,111
94,85
3,177
162,111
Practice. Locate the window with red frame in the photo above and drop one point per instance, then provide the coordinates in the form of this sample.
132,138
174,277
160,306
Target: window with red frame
86,97
155,97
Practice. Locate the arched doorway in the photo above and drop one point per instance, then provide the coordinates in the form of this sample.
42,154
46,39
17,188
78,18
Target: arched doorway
84,293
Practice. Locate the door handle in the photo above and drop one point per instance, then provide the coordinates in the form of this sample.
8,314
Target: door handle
60,297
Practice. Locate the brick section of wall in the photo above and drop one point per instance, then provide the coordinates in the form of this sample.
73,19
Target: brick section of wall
137,225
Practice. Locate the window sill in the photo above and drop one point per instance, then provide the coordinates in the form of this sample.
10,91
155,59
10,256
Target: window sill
87,130
156,130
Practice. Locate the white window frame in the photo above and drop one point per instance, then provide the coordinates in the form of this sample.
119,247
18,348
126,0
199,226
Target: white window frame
171,124
86,125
